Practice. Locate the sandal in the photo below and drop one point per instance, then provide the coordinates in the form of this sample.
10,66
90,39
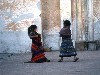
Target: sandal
76,59
61,60
47,60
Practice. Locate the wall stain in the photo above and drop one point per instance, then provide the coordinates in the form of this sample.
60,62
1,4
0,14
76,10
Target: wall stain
11,10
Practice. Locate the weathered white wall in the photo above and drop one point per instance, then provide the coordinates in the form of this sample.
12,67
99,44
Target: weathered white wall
92,19
65,10
96,19
86,20
14,41
15,17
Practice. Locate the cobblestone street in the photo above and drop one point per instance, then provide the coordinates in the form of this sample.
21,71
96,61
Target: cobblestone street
88,64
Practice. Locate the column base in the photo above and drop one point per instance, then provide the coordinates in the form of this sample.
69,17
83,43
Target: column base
51,41
80,46
90,45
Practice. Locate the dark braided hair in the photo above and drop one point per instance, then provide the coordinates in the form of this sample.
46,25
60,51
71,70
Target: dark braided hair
32,28
66,23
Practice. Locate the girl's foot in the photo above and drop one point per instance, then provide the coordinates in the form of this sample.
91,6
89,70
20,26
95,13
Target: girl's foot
47,60
75,59
60,60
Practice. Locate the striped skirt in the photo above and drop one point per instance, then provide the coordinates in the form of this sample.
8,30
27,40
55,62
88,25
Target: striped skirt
67,49
38,55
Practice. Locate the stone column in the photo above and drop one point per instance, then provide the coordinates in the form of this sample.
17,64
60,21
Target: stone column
83,20
89,27
89,31
78,16
90,20
50,17
77,20
74,19
78,23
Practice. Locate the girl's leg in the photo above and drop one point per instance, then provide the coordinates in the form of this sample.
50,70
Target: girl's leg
75,58
47,60
61,59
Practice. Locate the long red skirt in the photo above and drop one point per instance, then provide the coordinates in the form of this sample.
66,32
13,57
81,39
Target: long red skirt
38,55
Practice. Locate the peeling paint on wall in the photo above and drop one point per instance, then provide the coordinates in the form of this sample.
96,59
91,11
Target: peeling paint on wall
19,14
15,17
65,10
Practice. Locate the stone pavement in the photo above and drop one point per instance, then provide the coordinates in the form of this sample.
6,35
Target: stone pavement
89,64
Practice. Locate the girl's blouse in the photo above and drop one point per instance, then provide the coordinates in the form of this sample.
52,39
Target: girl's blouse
65,33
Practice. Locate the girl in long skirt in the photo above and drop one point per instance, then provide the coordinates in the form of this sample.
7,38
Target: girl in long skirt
67,49
38,55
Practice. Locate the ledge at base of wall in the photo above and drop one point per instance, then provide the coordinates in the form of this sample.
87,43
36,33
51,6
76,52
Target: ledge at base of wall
90,45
